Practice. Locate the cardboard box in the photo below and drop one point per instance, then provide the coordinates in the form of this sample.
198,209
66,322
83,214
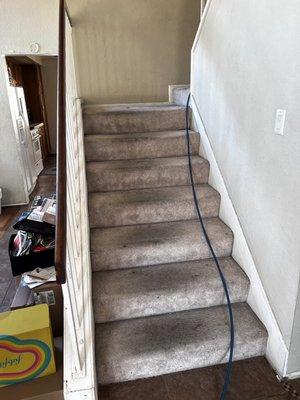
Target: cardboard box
26,345
47,388
51,293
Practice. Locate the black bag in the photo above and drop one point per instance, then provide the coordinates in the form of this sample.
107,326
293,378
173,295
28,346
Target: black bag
28,225
29,262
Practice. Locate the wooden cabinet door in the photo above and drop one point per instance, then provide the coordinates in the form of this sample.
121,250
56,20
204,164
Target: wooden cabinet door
45,136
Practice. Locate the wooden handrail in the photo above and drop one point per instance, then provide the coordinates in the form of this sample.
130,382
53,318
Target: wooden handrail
61,178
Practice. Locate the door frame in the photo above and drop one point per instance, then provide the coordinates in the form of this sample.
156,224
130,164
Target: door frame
11,106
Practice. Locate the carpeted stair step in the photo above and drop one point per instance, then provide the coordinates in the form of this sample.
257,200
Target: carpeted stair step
132,118
139,145
159,304
138,174
150,244
144,347
167,288
150,205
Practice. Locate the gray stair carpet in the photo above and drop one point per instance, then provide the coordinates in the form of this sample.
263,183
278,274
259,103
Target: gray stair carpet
161,289
139,145
132,207
159,304
147,173
133,118
150,244
142,347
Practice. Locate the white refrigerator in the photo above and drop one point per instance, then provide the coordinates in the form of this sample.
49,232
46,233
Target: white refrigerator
24,138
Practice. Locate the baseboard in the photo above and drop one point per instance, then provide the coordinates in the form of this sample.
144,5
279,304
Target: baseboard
293,375
276,349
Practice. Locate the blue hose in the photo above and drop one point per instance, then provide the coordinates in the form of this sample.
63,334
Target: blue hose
222,277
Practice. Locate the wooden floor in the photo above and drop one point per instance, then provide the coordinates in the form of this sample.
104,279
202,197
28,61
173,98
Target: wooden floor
252,379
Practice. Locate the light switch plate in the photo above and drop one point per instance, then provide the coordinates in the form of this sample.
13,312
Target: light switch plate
280,122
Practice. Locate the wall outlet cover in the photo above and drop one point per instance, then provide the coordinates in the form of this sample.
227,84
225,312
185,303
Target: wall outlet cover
280,122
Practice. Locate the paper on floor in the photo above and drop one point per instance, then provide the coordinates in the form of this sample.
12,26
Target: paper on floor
39,276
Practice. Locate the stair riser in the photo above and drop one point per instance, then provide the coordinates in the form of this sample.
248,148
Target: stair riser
100,149
116,248
104,180
147,347
104,213
165,289
134,122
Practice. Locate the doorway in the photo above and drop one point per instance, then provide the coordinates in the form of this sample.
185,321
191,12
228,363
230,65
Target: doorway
32,89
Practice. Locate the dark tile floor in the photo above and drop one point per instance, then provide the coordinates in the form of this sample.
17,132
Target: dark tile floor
296,386
45,185
49,166
252,379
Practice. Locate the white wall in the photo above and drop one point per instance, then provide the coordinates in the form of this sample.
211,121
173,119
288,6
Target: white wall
21,23
246,66
49,76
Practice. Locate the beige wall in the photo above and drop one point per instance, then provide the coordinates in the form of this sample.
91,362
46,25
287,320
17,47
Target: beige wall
247,65
131,50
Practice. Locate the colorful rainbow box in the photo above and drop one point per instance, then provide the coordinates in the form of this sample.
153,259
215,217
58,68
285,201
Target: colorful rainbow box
26,345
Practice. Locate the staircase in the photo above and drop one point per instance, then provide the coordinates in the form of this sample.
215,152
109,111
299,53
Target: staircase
159,305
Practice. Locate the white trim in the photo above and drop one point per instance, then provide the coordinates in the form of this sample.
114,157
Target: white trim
293,375
197,37
277,352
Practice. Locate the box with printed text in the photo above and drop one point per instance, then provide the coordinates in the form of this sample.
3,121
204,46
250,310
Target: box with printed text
26,345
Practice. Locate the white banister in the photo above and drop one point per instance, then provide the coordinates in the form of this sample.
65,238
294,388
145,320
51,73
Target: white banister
79,361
